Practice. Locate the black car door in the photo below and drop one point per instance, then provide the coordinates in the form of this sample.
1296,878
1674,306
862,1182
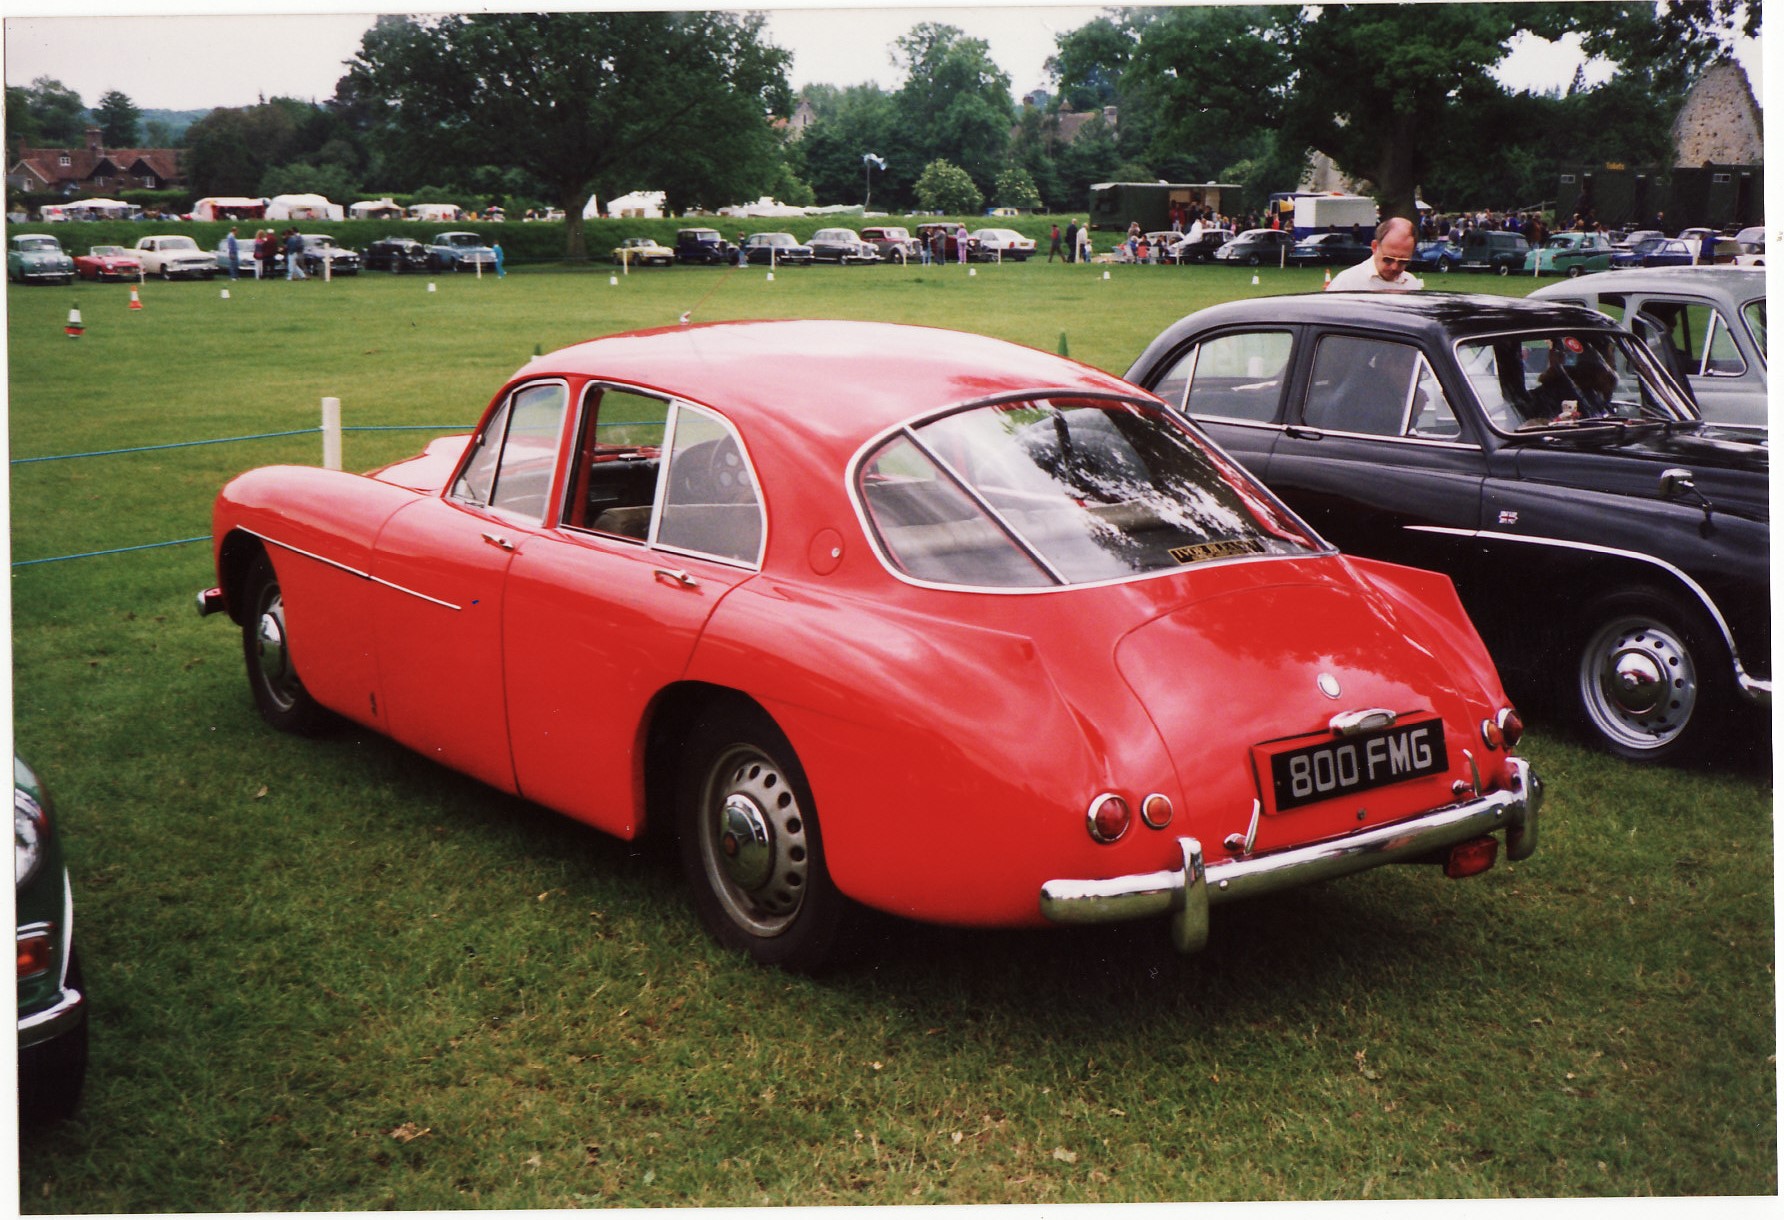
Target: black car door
1373,447
1231,382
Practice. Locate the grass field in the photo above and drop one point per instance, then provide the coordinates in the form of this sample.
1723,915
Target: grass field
327,975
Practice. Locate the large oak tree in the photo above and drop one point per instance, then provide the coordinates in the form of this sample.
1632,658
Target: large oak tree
1402,95
586,102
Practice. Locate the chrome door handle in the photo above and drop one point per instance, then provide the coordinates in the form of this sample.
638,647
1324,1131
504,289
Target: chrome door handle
497,540
676,576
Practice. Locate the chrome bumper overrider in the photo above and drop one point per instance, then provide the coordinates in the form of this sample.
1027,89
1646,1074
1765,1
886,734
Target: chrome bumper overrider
1187,893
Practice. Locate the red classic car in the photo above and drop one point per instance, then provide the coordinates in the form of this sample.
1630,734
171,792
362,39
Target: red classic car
107,263
881,616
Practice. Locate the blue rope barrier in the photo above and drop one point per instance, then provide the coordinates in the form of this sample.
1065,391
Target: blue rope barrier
223,440
147,546
407,427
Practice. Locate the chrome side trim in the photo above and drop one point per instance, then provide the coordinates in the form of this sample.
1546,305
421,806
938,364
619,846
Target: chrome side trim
351,571
1757,689
1186,893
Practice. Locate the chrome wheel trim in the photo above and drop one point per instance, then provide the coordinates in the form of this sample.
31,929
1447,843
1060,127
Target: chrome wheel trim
1638,682
753,841
273,657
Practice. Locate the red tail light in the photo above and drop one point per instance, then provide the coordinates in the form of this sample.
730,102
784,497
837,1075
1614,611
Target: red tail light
34,955
1511,725
1474,856
1109,818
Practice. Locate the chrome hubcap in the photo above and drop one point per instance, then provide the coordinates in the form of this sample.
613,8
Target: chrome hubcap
269,644
1638,682
753,841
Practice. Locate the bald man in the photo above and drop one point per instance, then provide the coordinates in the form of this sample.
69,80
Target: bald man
1385,270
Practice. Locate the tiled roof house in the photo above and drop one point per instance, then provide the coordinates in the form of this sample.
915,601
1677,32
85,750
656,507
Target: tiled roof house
94,169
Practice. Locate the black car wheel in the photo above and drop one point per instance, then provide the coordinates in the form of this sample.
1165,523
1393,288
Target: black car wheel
1649,683
750,845
266,646
1253,260
1504,268
1574,272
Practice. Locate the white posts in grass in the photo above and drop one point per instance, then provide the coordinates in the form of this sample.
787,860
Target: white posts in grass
331,433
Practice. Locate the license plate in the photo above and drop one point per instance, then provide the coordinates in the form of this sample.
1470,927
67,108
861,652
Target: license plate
1347,765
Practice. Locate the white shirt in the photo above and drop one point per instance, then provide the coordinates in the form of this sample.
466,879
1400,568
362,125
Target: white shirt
1364,278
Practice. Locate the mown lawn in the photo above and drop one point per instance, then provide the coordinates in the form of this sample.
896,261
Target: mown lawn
327,975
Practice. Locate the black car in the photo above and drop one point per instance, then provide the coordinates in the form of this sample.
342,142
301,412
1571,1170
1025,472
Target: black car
1330,250
395,254
1202,248
703,246
1610,545
1497,250
1255,247
776,249
322,257
52,999
842,246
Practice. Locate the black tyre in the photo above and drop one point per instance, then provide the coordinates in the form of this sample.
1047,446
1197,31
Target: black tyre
750,845
165,273
1574,272
1504,268
272,677
1651,681
1253,261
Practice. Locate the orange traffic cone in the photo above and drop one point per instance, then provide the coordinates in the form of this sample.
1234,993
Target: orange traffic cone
74,328
135,301
1328,279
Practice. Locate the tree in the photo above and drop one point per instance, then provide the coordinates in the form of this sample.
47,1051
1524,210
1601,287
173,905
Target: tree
947,189
847,124
45,113
118,119
1015,189
1088,67
586,102
955,103
230,149
1405,106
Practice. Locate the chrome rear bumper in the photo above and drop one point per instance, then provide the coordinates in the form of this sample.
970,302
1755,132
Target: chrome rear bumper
1187,893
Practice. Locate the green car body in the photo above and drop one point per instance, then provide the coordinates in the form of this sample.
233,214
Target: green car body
38,258
1570,254
52,1003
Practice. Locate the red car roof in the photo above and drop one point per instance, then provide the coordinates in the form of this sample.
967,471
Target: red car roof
845,381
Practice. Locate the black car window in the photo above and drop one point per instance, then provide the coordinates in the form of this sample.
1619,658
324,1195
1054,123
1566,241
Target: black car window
1698,332
1565,379
613,484
1754,312
710,503
1063,491
529,450
512,459
1236,376
702,500
1370,386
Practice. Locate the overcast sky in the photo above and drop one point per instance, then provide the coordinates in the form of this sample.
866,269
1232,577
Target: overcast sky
230,54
